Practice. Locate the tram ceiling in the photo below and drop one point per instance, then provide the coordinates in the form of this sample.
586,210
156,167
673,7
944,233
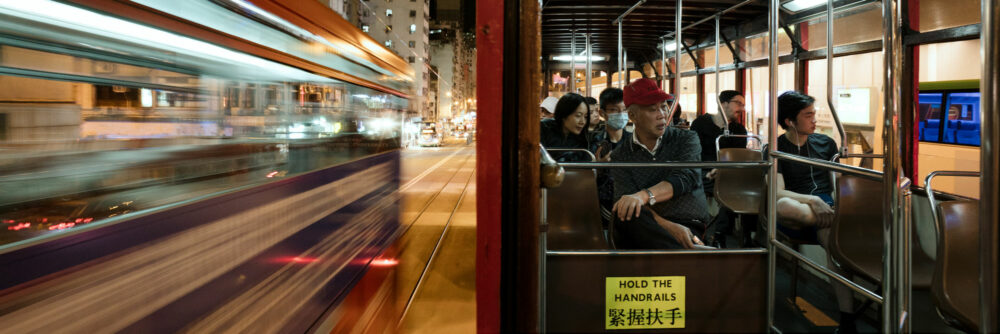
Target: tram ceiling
642,27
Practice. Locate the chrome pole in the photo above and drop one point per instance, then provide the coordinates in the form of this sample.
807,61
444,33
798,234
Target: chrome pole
989,191
718,102
572,61
772,139
625,69
589,65
895,251
543,249
620,55
677,57
829,76
663,63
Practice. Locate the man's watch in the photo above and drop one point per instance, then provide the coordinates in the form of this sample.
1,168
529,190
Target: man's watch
652,199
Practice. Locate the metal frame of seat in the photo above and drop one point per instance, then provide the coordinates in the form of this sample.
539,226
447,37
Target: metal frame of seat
957,225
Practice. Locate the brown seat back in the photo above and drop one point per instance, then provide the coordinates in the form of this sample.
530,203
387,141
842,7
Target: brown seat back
740,190
857,233
574,213
956,275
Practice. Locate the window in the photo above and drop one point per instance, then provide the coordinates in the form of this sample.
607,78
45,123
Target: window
412,44
388,28
388,43
413,13
412,60
364,28
413,28
388,12
959,125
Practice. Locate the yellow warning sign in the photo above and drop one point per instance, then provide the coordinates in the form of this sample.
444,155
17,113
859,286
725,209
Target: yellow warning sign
644,302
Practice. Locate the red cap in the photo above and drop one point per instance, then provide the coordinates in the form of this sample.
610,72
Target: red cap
644,92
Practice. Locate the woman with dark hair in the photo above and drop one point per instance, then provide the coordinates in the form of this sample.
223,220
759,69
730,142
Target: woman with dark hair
677,120
568,127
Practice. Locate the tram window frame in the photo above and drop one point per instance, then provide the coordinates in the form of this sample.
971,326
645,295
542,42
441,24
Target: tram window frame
943,113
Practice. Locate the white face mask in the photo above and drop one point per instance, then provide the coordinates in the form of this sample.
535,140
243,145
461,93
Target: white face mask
617,121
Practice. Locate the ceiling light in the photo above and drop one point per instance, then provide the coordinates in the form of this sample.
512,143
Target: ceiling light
795,6
577,58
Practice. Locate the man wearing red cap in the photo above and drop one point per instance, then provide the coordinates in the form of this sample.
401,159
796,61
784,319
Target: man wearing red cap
657,208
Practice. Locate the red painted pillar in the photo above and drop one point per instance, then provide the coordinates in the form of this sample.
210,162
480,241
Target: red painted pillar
489,75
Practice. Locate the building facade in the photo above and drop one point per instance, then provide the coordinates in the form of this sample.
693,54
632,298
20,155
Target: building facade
453,55
402,27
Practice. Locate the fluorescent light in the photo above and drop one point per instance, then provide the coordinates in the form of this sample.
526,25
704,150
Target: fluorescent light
670,46
799,5
577,58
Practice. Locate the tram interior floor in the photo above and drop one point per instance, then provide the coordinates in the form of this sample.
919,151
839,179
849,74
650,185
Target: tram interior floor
817,295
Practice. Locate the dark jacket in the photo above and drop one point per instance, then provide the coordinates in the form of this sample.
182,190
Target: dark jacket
552,137
676,144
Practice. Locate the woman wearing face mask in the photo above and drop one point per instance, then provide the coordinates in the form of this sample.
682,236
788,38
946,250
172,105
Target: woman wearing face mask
568,128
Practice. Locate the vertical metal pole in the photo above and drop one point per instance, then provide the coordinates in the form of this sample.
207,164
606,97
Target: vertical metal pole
829,77
894,252
572,62
621,60
989,191
663,63
718,102
542,249
772,139
677,56
625,68
589,65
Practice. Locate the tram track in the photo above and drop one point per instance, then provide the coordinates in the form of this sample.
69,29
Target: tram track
444,232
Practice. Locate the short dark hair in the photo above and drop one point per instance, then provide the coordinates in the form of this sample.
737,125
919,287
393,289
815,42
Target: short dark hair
590,100
611,96
728,95
567,106
790,103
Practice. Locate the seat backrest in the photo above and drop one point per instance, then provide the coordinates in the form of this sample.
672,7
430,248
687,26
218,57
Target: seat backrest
740,190
956,271
574,213
931,127
858,224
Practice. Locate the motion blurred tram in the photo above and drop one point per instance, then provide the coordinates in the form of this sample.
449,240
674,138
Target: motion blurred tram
192,166
907,89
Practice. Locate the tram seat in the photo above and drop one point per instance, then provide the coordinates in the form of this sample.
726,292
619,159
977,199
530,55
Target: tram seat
857,234
931,129
740,189
950,131
574,214
956,275
967,133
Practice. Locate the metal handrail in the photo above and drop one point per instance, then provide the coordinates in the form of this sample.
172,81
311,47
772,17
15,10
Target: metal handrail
677,57
672,164
628,11
656,252
930,192
760,141
862,155
720,13
718,101
556,149
829,76
834,166
622,65
823,269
